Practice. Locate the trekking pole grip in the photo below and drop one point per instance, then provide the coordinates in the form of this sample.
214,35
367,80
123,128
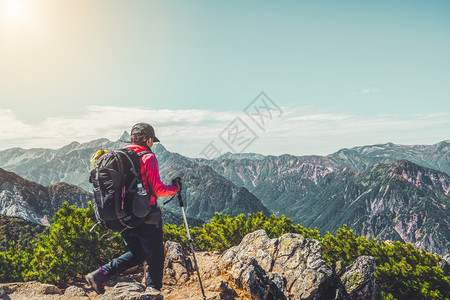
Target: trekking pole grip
174,182
180,200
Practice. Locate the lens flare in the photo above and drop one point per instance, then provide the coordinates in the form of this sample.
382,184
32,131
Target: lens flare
12,11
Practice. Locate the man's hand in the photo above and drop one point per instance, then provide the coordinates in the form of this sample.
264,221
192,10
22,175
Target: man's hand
177,183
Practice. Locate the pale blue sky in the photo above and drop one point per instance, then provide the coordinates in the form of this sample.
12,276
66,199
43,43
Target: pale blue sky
386,61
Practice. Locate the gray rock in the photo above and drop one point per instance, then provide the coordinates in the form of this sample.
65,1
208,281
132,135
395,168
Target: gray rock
217,285
175,264
445,265
226,292
131,291
30,290
9,288
48,289
124,291
290,266
151,294
251,277
359,279
278,285
339,268
74,291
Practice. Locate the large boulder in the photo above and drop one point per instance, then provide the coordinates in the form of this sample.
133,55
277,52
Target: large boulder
359,279
130,291
290,266
30,290
445,265
176,264
75,292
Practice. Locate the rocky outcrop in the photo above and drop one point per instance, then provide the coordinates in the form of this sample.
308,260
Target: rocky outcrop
359,279
291,267
445,265
31,290
177,266
131,291
75,291
40,291
288,267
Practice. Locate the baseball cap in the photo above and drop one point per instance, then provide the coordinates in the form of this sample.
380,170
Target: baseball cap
144,129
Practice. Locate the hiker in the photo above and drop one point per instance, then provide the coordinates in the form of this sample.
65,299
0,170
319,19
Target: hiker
145,242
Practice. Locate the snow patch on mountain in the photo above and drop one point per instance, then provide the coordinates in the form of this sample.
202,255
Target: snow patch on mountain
12,204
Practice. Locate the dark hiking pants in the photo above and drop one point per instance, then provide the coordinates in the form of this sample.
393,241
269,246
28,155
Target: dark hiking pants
145,243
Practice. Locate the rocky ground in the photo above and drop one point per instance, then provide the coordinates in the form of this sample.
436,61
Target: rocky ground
79,290
290,267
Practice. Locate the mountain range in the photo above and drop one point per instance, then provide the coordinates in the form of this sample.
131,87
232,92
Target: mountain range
205,191
436,156
387,191
396,200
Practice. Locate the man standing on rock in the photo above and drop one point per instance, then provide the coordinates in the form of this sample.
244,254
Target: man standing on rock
145,242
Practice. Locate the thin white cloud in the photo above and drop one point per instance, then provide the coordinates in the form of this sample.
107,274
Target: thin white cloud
104,121
298,131
366,90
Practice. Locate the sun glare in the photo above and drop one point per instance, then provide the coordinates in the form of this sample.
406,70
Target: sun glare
13,11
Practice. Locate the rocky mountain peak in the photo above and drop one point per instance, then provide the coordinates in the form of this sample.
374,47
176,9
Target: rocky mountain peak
70,147
444,146
125,137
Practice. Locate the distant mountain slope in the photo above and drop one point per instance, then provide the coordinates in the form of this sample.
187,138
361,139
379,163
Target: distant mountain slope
205,191
315,194
250,173
435,156
230,155
67,164
34,202
398,201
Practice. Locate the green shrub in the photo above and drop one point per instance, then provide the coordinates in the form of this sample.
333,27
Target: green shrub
12,264
18,230
68,249
403,272
223,231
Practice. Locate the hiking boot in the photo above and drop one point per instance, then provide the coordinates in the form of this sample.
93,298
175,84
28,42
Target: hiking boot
97,280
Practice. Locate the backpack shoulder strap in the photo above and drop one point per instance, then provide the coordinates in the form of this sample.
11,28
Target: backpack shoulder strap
128,153
142,153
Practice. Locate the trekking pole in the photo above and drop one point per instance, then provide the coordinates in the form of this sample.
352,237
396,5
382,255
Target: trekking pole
180,201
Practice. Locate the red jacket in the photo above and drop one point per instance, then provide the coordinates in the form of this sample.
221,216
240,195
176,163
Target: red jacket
150,176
